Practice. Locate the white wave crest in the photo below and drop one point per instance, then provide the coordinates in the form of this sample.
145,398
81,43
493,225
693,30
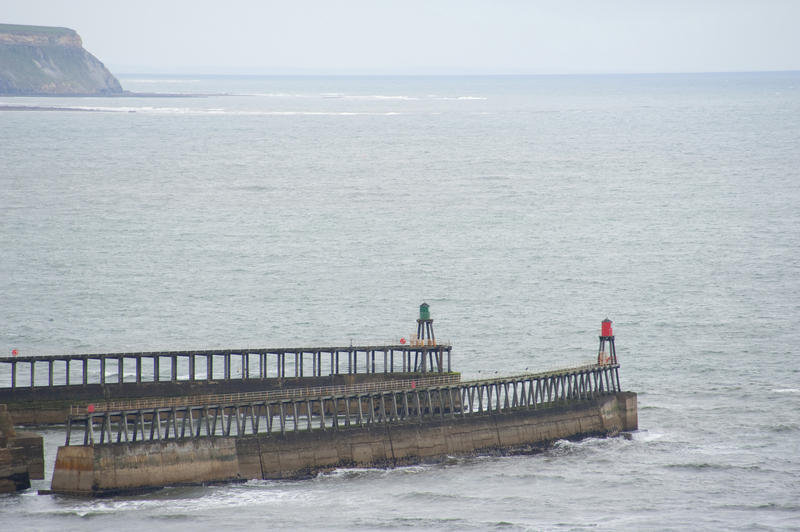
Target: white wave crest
198,111
161,80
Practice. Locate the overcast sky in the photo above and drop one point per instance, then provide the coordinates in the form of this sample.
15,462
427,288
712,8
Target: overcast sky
412,36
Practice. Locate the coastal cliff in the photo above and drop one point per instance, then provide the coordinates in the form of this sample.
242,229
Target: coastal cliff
43,60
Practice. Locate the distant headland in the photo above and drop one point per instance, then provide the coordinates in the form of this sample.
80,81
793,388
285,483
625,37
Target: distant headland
50,61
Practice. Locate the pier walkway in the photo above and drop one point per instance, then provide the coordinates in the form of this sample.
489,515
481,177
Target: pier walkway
337,411
251,397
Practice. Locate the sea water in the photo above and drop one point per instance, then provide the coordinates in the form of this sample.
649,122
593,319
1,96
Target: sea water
285,211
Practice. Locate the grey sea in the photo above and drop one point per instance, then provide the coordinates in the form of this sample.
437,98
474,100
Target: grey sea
285,211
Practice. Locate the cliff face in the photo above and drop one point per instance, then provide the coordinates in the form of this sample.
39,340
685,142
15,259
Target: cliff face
36,60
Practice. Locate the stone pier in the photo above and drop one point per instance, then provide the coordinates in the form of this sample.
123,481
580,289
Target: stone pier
104,469
21,456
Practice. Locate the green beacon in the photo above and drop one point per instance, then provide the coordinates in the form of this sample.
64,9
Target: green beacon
424,312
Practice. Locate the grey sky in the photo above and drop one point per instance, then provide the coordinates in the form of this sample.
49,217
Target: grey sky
412,36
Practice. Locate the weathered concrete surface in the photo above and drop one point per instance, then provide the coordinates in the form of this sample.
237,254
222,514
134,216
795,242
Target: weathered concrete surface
106,469
45,405
109,469
301,454
21,456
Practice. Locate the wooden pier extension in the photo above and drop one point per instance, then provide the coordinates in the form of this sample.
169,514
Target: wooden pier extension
131,450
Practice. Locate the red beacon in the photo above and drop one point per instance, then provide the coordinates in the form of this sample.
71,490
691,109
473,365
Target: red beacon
606,335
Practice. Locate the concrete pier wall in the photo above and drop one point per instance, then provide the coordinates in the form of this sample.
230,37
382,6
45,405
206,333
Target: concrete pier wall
21,456
110,469
106,469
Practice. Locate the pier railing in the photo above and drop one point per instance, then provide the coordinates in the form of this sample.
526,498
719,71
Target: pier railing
336,412
228,364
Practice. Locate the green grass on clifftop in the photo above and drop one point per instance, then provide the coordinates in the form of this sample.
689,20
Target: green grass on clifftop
20,29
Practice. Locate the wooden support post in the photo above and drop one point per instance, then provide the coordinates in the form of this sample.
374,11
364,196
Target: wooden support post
452,403
107,425
14,373
50,373
226,360
173,374
120,370
294,419
168,425
282,418
156,368
138,370
135,427
237,412
192,375
123,421
322,413
102,370
210,368
371,417
140,419
32,364
183,424
90,424
253,418
152,425
195,431
69,431
174,415
157,421
105,428
211,430
226,422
